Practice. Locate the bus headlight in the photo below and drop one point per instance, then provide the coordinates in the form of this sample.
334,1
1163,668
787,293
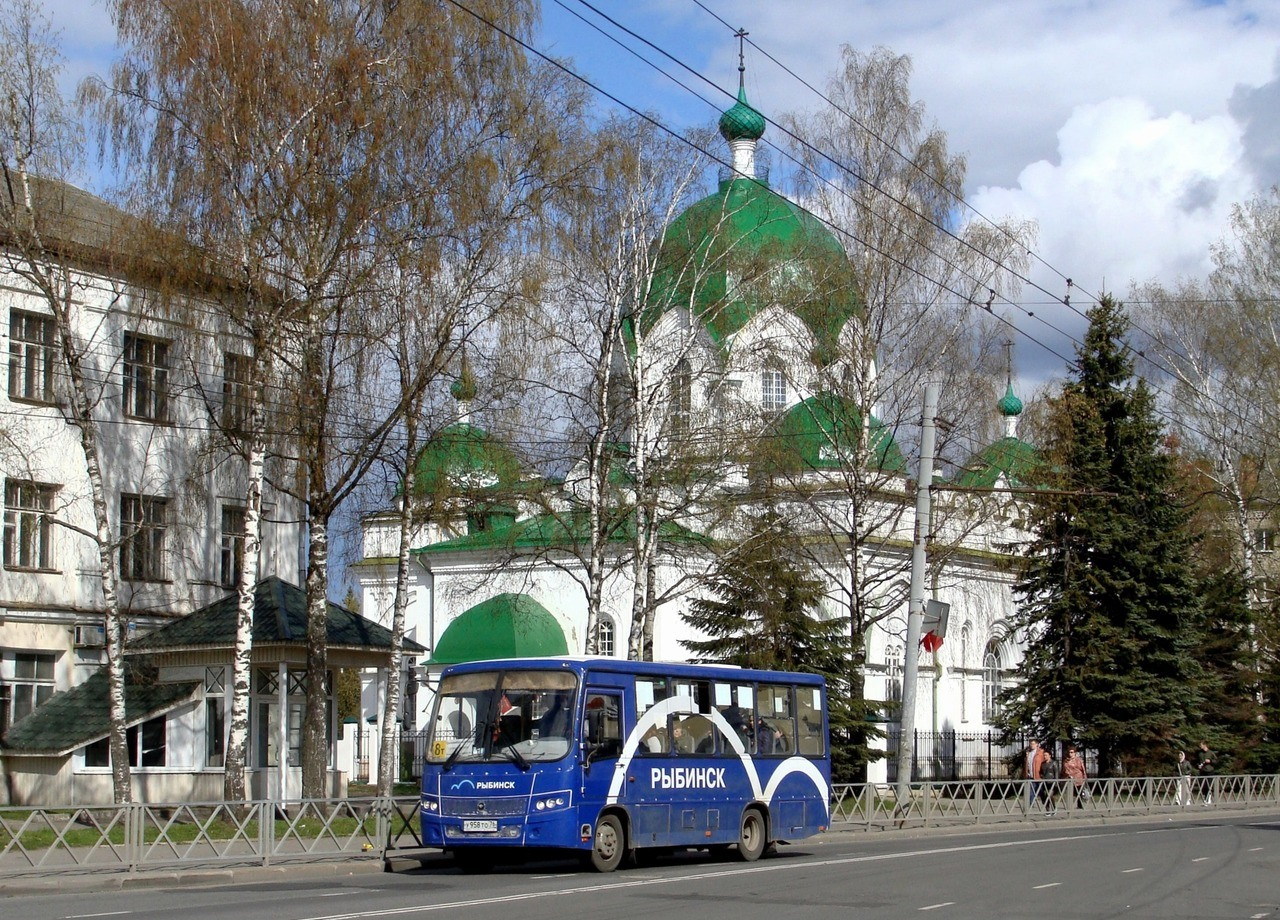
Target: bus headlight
430,804
553,801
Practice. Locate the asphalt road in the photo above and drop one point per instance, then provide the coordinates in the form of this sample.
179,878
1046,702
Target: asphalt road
1205,867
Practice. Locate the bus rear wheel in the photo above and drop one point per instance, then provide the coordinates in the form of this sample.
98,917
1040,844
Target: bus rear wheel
609,844
752,837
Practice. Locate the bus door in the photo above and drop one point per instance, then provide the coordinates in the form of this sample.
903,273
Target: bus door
601,747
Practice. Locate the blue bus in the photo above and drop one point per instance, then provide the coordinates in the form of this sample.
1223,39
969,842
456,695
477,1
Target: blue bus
620,759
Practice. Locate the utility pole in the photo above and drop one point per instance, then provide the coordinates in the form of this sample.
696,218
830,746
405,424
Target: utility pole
915,610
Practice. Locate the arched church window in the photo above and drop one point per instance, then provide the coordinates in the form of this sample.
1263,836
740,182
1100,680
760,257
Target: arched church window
681,396
990,681
604,636
773,389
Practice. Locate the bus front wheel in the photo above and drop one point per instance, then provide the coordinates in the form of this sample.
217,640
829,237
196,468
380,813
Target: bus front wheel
609,844
751,836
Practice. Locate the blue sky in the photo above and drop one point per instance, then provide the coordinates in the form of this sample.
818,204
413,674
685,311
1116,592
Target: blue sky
1126,128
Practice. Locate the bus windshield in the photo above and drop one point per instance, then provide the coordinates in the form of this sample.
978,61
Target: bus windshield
503,716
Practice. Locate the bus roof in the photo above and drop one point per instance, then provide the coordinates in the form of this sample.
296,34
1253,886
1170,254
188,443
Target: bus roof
579,664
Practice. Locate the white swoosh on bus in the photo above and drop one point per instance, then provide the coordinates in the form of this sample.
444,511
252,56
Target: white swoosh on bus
656,717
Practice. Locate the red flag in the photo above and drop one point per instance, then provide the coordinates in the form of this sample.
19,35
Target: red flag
931,641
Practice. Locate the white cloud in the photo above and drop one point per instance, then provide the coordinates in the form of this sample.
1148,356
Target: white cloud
1132,195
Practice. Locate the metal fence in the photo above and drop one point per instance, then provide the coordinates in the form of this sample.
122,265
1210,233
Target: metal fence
139,838
955,755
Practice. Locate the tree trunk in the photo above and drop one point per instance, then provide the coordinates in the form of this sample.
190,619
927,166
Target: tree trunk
315,736
234,763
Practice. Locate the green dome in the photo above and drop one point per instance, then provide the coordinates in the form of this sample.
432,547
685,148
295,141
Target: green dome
821,433
1013,458
504,626
463,459
736,252
1009,405
742,121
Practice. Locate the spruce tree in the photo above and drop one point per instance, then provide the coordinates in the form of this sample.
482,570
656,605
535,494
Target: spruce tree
760,612
1230,716
1108,599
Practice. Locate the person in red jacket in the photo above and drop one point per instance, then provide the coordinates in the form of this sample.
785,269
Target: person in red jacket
1073,769
1035,760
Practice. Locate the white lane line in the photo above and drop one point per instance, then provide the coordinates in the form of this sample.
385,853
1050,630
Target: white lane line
109,913
336,894
1259,917
1048,885
1200,859
785,866
1127,871
1254,849
558,875
936,906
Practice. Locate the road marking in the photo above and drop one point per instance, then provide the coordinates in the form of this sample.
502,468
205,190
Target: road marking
1200,859
558,875
1049,885
336,894
1254,849
784,866
1259,916
1127,871
109,913
936,906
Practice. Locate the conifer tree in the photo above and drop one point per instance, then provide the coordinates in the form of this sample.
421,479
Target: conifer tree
761,613
1230,716
1108,598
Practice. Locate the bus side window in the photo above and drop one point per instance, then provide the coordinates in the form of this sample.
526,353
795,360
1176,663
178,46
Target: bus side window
809,721
650,692
736,703
602,726
775,729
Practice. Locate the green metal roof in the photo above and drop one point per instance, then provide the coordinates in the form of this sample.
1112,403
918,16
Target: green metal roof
821,433
550,531
279,615
504,626
1009,405
79,716
744,248
742,121
461,460
1014,458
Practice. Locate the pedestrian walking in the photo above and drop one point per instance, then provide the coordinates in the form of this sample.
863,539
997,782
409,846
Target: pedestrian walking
1049,783
1184,779
1034,760
1073,769
1204,771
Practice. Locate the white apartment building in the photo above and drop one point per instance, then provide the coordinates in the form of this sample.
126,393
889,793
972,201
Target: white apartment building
174,493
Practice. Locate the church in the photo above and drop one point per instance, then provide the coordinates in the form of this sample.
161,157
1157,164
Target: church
756,331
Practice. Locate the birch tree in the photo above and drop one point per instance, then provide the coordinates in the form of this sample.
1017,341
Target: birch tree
604,258
890,187
341,131
43,225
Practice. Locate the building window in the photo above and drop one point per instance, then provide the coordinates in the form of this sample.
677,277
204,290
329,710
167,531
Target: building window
147,744
990,683
1264,540
893,676
28,525
773,390
31,357
232,545
237,390
215,719
146,377
143,529
681,396
32,682
964,678
605,633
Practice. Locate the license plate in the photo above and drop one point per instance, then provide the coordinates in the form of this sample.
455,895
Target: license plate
480,827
